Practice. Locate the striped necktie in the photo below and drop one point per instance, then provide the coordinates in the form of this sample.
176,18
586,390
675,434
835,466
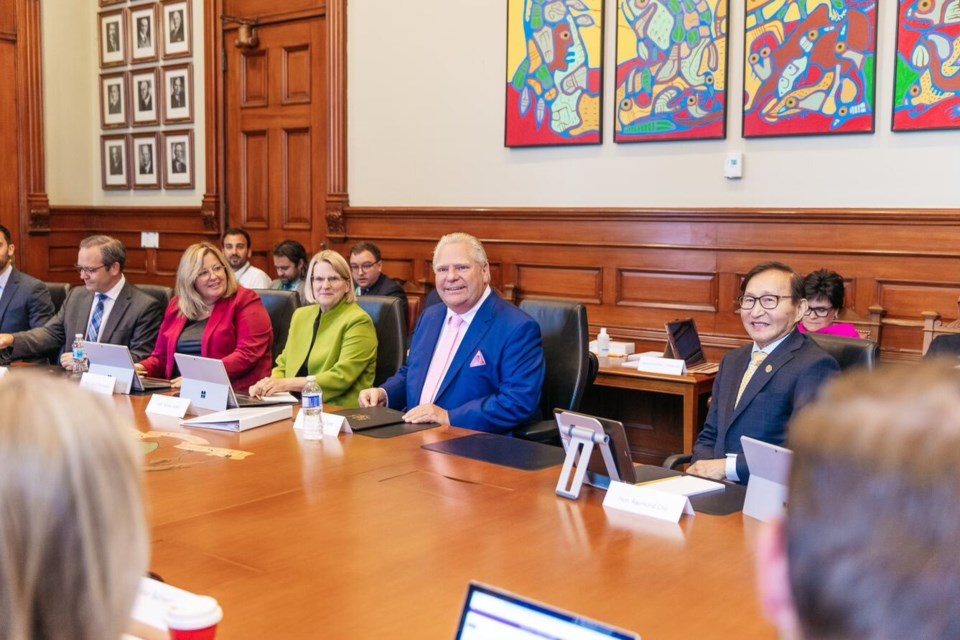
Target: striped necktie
93,331
755,361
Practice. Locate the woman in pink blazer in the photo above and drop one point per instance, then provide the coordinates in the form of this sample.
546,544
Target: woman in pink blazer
825,292
214,317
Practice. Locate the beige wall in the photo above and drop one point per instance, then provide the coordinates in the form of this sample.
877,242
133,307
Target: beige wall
71,77
426,96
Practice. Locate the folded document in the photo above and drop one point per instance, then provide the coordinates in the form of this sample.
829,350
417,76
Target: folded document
241,419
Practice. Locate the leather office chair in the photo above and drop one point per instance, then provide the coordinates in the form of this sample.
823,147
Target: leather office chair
563,328
280,306
161,293
58,293
849,352
387,315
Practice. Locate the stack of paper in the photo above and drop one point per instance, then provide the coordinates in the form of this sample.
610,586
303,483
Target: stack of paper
241,419
685,485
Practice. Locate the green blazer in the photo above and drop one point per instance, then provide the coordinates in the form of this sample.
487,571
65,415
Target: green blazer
344,355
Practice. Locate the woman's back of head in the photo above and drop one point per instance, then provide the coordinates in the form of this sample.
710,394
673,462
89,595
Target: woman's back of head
73,538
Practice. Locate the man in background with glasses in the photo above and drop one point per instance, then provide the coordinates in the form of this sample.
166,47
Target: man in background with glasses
367,268
106,309
760,386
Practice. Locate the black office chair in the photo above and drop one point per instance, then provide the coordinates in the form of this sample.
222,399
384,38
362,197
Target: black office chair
849,352
58,293
569,363
387,313
280,306
161,293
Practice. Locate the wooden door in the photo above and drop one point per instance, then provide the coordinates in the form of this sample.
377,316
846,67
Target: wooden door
276,136
9,151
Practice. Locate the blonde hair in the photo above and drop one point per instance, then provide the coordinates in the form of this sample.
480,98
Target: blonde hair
190,303
339,265
73,536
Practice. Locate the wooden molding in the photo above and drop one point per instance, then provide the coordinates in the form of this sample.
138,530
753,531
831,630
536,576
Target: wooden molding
337,196
214,135
34,203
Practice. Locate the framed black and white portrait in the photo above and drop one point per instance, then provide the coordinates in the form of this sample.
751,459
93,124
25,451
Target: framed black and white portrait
177,28
178,159
143,33
143,89
115,170
177,93
113,100
146,161
113,50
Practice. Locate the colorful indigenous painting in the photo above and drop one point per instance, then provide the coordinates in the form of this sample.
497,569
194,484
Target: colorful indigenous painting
809,67
926,91
671,70
554,72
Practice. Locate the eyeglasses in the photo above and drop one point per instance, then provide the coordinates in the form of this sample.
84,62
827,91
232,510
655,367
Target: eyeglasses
327,279
820,312
88,270
366,266
460,269
212,271
767,302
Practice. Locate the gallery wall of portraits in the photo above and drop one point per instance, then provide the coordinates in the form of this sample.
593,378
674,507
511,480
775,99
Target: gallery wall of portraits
146,94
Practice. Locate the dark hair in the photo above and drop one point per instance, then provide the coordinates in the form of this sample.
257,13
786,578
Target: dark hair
796,282
874,509
824,284
291,250
235,231
360,247
5,232
112,250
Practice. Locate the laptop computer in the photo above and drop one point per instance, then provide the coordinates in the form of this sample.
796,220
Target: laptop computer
492,614
114,360
769,466
597,475
206,384
683,343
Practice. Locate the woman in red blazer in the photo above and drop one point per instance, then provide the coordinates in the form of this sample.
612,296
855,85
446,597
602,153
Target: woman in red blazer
212,316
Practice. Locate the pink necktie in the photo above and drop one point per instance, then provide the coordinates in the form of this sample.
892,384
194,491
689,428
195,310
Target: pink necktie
442,355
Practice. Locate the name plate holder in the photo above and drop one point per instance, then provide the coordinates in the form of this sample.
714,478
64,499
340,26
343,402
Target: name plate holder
669,366
579,442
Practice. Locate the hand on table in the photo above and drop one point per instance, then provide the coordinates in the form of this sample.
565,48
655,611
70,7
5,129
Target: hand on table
269,386
710,469
375,397
427,413
66,360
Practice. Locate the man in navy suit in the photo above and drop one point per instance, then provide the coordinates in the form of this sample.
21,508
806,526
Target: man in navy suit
475,361
24,301
106,309
785,370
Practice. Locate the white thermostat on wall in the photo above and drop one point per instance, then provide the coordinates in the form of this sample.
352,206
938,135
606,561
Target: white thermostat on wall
733,165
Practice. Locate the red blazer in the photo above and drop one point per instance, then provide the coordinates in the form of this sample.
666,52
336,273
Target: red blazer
238,332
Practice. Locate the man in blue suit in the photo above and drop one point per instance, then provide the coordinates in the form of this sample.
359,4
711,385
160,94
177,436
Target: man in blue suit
24,301
475,361
760,386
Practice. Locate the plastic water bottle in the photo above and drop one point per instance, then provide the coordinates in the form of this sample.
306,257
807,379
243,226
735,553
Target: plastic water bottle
603,343
79,356
312,409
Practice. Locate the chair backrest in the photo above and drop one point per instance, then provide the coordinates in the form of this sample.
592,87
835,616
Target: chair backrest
280,306
563,328
161,293
849,352
58,293
387,315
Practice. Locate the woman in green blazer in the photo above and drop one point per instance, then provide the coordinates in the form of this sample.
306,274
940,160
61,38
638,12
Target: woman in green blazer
332,338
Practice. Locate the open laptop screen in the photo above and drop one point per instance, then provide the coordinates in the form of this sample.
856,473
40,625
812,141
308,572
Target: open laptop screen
685,341
491,614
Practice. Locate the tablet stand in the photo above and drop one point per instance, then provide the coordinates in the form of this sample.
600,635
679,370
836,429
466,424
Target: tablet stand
579,450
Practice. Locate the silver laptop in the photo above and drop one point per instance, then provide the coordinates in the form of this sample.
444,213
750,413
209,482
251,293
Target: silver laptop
206,384
492,614
114,360
769,467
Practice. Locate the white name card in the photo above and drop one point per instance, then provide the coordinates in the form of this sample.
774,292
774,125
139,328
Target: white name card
97,383
669,366
172,406
647,502
332,424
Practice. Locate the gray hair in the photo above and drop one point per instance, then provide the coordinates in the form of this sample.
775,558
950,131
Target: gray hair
475,247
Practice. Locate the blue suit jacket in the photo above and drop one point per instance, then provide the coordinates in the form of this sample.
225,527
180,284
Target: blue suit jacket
25,303
787,379
497,396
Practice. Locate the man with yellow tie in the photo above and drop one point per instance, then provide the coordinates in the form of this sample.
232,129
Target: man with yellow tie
760,386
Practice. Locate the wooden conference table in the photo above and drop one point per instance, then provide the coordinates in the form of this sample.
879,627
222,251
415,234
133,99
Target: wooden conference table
357,537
